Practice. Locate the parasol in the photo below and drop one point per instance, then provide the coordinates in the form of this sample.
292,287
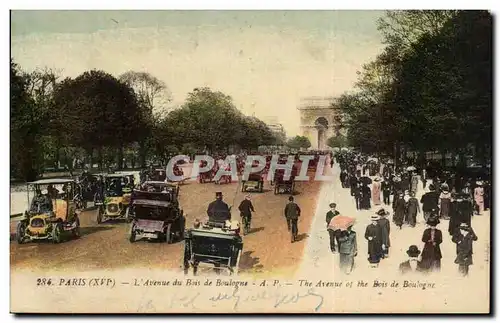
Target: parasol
341,222
372,160
411,168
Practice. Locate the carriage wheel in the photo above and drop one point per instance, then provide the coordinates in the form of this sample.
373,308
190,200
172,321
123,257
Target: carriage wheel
195,269
168,234
236,268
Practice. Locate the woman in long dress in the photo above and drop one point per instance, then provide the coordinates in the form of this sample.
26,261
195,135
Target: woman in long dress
376,187
373,235
479,197
445,203
399,207
432,238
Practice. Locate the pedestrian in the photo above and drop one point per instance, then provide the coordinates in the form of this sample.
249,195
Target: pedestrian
343,178
385,227
414,183
430,201
411,265
348,249
487,194
246,209
406,198
365,197
479,197
399,209
357,195
334,234
445,203
463,237
386,190
460,212
432,239
412,209
376,187
373,235
292,213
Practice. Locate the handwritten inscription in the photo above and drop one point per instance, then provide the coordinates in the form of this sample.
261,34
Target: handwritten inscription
278,297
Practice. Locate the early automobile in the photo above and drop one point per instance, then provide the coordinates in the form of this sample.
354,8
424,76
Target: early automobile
254,182
157,186
116,198
52,213
213,244
282,184
156,216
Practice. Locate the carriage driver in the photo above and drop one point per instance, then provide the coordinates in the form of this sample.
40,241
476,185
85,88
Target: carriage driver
218,210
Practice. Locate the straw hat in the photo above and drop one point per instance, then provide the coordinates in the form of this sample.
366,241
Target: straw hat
375,217
382,212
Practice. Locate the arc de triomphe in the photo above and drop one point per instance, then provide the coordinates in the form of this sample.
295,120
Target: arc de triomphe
318,120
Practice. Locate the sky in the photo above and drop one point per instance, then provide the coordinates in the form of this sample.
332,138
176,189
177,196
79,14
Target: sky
265,60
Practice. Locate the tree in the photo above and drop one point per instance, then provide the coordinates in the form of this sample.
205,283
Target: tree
298,142
337,141
99,111
26,124
153,96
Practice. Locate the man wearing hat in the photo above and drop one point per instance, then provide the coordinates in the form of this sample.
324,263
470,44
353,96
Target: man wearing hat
373,235
460,212
218,210
292,213
464,236
334,234
412,264
385,227
430,202
246,209
432,239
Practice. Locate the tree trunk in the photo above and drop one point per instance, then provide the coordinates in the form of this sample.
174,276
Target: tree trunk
119,162
443,158
100,158
142,153
397,154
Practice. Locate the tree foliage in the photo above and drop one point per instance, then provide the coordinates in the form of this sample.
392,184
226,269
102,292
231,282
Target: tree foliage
429,89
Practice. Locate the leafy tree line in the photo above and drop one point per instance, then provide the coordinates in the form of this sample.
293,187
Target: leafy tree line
99,118
429,90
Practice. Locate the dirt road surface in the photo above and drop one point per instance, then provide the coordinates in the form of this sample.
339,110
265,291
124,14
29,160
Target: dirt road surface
106,246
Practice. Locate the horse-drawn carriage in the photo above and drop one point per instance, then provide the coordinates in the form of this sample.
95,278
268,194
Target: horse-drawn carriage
156,216
213,244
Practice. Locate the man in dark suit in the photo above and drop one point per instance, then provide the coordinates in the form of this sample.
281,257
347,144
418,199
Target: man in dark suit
412,264
430,201
218,210
334,234
292,213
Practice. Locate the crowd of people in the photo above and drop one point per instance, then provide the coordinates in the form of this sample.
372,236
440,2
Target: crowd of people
454,198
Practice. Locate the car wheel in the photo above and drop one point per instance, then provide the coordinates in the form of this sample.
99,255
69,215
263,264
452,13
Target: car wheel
132,234
20,232
76,230
168,234
99,216
57,233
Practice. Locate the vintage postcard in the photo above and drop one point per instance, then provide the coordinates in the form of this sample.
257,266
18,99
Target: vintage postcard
250,161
